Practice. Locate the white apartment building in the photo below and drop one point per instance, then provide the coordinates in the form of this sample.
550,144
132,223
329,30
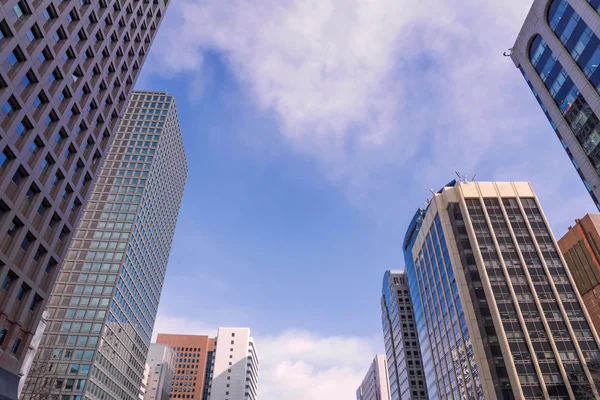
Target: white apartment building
235,366
375,385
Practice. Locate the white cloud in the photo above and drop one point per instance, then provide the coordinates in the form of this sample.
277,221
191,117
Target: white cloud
296,364
377,91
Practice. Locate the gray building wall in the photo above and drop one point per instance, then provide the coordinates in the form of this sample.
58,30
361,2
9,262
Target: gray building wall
375,385
66,72
161,359
104,304
401,339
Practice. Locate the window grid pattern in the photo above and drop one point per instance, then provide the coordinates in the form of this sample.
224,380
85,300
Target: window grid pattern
534,323
562,141
452,372
117,260
405,365
476,290
66,72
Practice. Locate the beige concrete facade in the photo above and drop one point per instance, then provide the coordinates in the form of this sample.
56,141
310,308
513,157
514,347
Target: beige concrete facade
507,238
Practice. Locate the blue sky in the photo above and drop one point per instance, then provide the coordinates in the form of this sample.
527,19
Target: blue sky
314,129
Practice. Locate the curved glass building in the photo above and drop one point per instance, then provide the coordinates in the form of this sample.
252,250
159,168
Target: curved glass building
497,313
558,53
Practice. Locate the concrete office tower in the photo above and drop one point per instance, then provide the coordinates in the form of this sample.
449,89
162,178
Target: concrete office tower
67,69
405,365
558,53
193,362
104,303
376,385
497,312
581,249
161,359
235,366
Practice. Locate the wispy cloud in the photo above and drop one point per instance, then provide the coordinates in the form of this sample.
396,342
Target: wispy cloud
377,91
297,364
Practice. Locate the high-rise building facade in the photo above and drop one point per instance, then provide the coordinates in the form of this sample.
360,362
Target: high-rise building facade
194,354
403,354
103,306
235,366
580,247
376,385
66,72
497,312
558,53
161,359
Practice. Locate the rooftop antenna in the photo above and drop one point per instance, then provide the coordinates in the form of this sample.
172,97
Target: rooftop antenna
432,191
462,177
473,178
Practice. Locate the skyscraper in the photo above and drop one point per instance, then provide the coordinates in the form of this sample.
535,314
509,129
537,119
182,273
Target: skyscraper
194,354
403,354
376,385
558,53
235,366
67,69
161,359
104,303
497,312
580,247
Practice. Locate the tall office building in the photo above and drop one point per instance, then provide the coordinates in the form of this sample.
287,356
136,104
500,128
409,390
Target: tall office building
104,303
376,385
405,365
67,69
580,247
235,366
161,359
194,354
497,312
558,53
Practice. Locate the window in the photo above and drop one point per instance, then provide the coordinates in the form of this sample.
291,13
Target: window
19,176
16,345
21,292
49,12
16,56
24,127
3,334
11,106
8,280
34,302
27,241
36,145
5,157
44,206
21,9
34,33
40,99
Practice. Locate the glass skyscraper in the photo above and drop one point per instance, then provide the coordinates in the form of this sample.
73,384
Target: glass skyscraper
403,355
558,53
497,312
104,303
